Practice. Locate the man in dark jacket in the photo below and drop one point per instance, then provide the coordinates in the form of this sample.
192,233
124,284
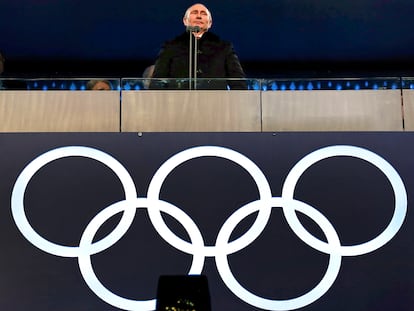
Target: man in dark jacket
213,57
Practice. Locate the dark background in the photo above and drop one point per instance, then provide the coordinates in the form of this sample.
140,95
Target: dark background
64,195
272,37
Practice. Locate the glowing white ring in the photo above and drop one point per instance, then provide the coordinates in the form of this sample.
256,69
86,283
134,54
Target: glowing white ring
17,199
397,184
212,151
288,304
84,258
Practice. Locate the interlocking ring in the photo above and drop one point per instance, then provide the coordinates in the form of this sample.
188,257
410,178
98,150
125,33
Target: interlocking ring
263,206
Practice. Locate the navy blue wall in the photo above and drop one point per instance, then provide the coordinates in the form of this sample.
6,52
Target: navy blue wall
358,198
285,35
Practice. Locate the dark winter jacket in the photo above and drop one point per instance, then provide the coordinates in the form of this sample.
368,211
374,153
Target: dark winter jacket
215,59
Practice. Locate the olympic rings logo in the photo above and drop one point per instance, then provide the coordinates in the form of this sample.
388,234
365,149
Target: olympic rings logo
263,206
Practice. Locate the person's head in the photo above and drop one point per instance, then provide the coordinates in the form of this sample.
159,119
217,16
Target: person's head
148,72
198,15
147,75
98,85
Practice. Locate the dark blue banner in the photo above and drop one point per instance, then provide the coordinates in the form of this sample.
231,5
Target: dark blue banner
276,221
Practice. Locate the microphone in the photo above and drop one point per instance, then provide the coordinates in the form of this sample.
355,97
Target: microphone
193,29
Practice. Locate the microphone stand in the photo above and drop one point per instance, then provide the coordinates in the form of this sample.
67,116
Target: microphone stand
190,52
192,55
195,61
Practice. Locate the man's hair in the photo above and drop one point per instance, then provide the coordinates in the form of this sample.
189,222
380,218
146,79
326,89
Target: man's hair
92,83
187,13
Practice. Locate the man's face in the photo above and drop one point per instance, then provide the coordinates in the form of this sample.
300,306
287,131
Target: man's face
198,15
101,86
